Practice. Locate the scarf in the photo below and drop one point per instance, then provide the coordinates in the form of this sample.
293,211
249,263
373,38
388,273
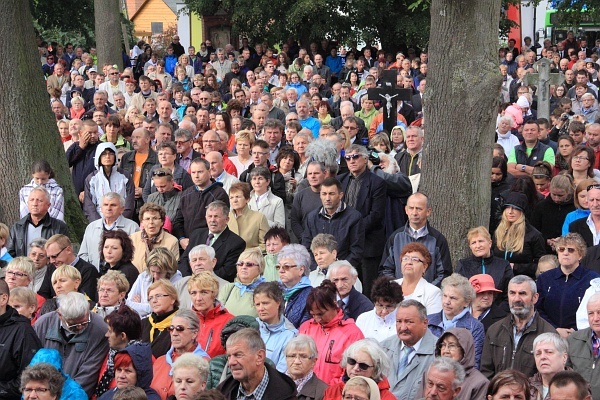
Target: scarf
109,374
162,322
302,381
447,324
38,278
288,293
249,287
150,241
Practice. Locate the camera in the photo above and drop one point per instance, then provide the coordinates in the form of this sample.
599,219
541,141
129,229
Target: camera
564,117
373,156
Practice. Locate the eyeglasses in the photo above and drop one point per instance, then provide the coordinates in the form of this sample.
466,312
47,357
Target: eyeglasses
157,297
211,141
285,268
351,128
580,158
412,259
246,264
362,366
57,254
353,156
15,273
161,173
301,357
448,346
80,326
204,98
561,249
36,390
180,142
114,73
380,306
260,153
109,291
178,328
351,397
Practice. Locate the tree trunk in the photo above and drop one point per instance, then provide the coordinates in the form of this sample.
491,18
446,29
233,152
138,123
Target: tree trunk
108,32
461,99
28,130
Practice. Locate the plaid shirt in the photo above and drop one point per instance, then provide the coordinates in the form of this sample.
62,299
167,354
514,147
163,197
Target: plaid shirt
258,392
57,201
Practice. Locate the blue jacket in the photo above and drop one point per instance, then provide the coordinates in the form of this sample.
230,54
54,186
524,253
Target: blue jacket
295,309
560,295
300,88
71,390
141,356
170,63
573,216
335,64
466,321
276,337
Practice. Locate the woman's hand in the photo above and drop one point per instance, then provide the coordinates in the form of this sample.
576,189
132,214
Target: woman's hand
137,298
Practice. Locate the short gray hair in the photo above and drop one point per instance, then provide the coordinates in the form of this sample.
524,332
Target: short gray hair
519,279
41,189
219,205
302,342
298,253
202,248
190,316
183,133
446,364
337,265
115,196
249,336
414,303
382,364
362,150
460,283
190,360
561,344
73,305
44,372
39,243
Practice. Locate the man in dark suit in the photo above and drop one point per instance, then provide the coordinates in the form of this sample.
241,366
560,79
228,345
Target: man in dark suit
417,99
366,193
227,245
350,300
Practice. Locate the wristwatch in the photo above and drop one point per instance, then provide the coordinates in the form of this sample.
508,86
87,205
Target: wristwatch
523,168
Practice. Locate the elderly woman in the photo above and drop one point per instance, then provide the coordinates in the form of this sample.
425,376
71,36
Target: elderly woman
301,356
40,377
164,303
124,328
457,344
361,387
65,279
415,259
190,373
331,332
516,240
184,332
509,384
116,252
275,329
133,367
112,289
237,296
37,253
484,308
161,264
293,265
203,289
19,273
482,261
263,200
364,358
380,323
249,225
550,353
457,296
152,235
561,289
167,154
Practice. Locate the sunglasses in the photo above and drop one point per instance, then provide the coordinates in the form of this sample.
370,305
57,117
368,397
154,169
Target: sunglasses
178,328
561,249
247,264
353,156
362,366
284,267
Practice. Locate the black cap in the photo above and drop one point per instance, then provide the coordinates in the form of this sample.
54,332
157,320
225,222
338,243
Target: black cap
516,200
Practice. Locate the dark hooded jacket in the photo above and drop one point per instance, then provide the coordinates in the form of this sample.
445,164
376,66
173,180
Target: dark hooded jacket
475,384
141,356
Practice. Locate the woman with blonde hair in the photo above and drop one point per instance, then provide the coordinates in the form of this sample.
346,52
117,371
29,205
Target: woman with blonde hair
243,145
160,264
163,300
65,279
516,240
237,296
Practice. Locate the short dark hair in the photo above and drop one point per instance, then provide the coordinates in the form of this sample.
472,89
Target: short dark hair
127,321
564,378
330,181
126,244
262,144
323,296
387,289
273,291
278,232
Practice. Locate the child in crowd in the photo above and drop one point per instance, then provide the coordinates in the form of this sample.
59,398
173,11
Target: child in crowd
43,175
546,263
24,301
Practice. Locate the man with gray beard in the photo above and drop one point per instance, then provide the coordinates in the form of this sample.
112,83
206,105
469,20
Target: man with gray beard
509,342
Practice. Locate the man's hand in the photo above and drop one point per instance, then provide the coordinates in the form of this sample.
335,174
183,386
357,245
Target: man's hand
564,332
184,243
138,192
81,196
84,139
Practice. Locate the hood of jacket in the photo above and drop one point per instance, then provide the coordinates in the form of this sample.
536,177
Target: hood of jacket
50,356
237,323
101,147
141,356
465,339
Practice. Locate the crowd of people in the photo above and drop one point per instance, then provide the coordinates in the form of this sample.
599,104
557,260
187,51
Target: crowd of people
255,233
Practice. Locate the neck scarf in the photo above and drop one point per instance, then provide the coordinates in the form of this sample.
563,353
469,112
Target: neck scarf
38,278
302,381
108,376
150,241
249,287
288,293
447,324
160,323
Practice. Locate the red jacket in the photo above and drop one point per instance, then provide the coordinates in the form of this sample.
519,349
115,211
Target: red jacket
211,325
334,392
331,340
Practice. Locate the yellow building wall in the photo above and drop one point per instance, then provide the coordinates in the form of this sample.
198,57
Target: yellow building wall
153,11
196,33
